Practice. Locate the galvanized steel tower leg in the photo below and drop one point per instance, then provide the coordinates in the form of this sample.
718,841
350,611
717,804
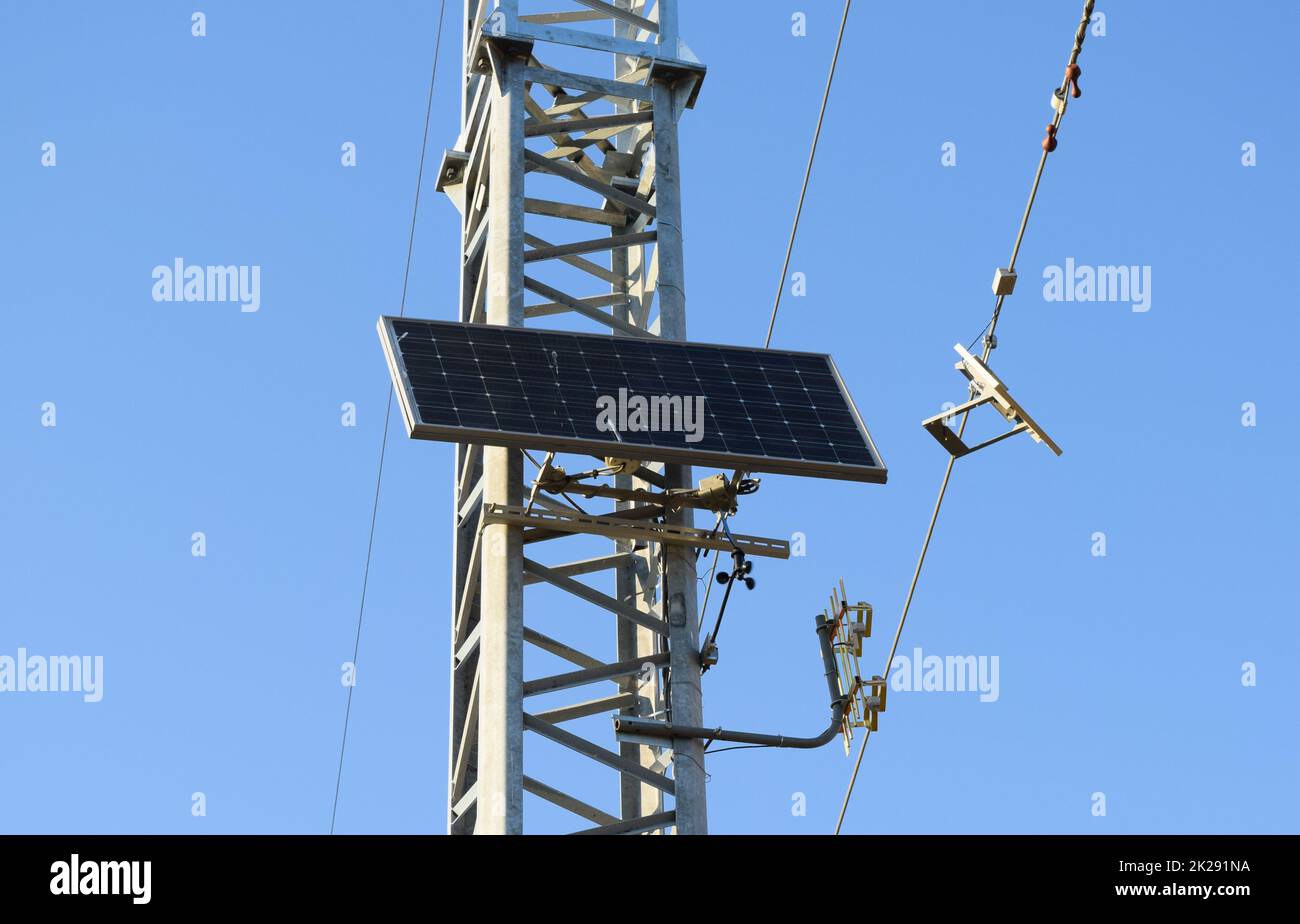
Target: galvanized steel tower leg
501,645
628,159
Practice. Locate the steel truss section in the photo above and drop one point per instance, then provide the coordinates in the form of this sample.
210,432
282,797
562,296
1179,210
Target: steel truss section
599,138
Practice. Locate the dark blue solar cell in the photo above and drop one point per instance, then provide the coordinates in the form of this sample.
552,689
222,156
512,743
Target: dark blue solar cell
712,373
519,423
454,365
819,452
744,359
432,397
773,360
479,420
795,397
441,415
783,448
778,379
739,445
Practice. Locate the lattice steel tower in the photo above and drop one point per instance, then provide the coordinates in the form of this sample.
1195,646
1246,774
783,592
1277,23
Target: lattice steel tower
604,145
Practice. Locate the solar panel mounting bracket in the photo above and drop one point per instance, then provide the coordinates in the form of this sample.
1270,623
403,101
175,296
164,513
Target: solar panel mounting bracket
714,493
986,388
546,524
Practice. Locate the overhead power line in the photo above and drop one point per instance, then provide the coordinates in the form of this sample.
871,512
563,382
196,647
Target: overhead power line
388,412
789,248
807,173
1068,85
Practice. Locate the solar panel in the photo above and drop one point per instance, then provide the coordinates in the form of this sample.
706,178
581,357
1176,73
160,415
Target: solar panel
628,397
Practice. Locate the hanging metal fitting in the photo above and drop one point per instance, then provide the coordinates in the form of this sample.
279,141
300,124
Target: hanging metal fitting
986,388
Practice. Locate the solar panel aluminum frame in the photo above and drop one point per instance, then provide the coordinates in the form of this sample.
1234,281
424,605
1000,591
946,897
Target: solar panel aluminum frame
418,429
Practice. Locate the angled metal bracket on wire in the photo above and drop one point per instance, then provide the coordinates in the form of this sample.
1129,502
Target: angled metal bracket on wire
1004,281
986,388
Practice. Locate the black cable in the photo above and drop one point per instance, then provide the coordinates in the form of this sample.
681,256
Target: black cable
807,175
736,747
989,342
722,611
388,411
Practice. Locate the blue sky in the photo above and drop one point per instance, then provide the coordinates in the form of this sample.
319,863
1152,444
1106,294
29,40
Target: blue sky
1119,674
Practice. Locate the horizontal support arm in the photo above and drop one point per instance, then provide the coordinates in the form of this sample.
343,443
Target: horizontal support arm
649,728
